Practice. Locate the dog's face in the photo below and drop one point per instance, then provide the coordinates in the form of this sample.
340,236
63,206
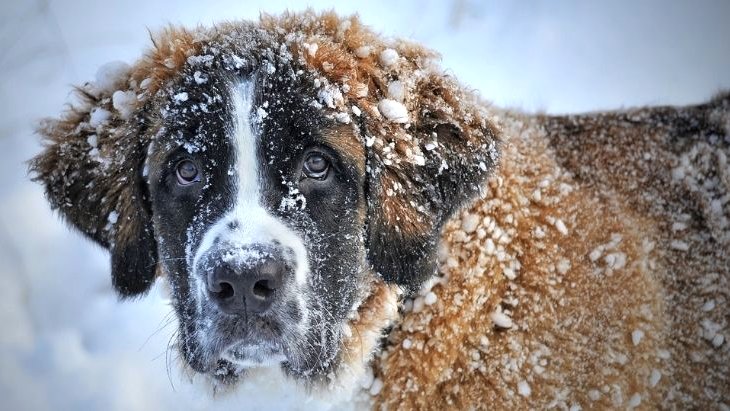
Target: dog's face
272,182
258,208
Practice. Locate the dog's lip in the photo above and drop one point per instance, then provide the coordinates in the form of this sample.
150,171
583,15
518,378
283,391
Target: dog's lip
245,353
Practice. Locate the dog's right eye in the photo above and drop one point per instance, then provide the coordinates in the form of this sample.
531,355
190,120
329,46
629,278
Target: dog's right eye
187,172
316,166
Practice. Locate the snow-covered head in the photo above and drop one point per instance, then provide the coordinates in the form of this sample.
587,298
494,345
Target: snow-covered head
289,177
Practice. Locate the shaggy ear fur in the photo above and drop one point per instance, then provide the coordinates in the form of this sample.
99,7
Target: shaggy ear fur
92,172
453,150
92,166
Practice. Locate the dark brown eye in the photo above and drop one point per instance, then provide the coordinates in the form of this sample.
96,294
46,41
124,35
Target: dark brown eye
316,166
187,173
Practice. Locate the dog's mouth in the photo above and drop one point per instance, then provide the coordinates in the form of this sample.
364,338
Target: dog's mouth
226,348
245,354
229,352
254,342
224,345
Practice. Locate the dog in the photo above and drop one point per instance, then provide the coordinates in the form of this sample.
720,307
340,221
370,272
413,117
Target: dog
329,204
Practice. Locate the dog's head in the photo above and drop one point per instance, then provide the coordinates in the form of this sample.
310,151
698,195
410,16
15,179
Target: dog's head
277,173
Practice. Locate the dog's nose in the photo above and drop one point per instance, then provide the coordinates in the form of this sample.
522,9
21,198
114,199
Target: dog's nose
248,288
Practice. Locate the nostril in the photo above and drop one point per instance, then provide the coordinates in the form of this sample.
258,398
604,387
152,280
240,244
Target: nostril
223,291
263,289
226,290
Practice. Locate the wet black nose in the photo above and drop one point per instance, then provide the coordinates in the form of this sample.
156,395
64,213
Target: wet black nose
247,288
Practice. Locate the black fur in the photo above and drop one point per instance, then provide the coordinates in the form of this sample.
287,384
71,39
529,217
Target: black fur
407,256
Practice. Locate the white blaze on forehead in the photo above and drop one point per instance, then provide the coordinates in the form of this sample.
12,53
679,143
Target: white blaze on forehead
254,224
245,138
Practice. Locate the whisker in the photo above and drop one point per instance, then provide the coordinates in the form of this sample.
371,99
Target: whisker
167,358
166,321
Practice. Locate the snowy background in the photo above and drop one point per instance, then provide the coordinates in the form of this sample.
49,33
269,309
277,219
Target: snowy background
65,341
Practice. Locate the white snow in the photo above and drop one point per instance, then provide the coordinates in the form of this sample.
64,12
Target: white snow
537,195
615,261
509,273
200,78
523,388
663,354
679,245
393,110
113,217
679,226
654,378
634,401
596,253
563,266
501,320
98,116
93,140
430,298
396,91
111,76
469,222
717,340
363,51
388,57
418,304
343,118
367,379
330,96
180,97
261,113
636,336
124,102
311,48
376,387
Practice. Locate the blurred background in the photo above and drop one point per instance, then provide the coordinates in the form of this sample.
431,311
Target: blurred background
65,340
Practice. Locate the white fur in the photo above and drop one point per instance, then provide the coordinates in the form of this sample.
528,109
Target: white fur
255,224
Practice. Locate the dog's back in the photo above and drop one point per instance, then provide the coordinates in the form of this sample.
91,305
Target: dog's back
671,164
594,272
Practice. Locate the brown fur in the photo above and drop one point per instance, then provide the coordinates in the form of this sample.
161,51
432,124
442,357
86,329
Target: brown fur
348,145
571,341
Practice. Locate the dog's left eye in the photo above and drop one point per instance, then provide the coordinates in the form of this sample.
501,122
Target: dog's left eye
316,166
187,173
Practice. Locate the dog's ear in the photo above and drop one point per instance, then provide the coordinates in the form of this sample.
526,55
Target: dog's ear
420,172
91,168
94,160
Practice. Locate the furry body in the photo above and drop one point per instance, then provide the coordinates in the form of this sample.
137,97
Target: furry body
598,239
